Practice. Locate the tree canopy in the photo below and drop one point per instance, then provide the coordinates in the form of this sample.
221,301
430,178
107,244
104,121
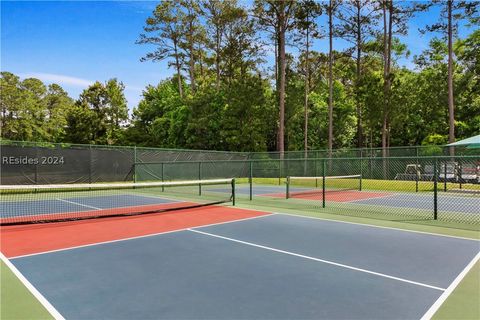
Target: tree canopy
247,77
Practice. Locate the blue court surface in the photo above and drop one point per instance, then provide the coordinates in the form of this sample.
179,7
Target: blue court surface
446,203
259,190
424,201
76,204
270,267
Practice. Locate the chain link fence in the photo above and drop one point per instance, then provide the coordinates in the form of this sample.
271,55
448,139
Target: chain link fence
444,190
416,188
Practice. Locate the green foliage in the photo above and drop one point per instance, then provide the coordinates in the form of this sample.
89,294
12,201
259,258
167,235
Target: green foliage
32,111
229,101
434,139
98,113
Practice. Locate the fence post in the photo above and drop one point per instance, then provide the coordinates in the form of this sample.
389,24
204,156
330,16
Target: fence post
361,173
199,178
288,188
417,169
233,192
250,179
435,189
162,177
323,182
91,164
445,176
280,165
135,164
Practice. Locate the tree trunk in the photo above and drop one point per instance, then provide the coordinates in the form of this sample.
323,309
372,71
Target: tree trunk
451,105
191,69
330,78
307,91
387,41
358,76
191,63
178,67
217,58
281,95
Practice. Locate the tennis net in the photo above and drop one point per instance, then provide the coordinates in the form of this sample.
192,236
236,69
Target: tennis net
22,204
315,187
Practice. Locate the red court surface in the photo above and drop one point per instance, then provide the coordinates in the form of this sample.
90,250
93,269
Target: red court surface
336,196
29,239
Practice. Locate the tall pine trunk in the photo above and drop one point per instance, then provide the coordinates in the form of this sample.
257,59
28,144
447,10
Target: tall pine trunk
358,76
330,78
307,91
451,105
178,67
387,43
282,70
217,57
191,62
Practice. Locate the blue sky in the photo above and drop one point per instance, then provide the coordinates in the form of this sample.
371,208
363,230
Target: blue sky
74,43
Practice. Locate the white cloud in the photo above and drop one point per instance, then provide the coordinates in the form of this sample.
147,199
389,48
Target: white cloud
59,79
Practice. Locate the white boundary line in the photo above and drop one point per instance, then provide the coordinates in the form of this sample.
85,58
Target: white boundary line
78,204
318,260
51,309
375,226
434,308
137,237
371,198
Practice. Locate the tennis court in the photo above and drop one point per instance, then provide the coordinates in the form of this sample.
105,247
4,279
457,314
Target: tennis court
233,263
183,250
449,202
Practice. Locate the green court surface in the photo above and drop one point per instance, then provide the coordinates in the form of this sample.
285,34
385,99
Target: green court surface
17,302
463,302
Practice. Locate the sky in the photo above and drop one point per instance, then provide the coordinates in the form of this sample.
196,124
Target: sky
74,43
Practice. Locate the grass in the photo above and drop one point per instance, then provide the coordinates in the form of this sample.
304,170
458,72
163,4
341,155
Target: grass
463,302
16,302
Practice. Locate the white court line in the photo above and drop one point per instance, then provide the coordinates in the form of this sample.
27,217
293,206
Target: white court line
137,237
374,226
417,198
318,260
78,204
434,308
372,198
51,309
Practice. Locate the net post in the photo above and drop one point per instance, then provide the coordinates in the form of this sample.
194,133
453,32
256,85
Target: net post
250,179
199,178
435,189
323,183
287,194
233,192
